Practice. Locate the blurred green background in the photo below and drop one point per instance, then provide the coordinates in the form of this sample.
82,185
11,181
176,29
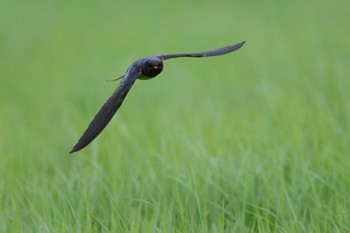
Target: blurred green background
254,141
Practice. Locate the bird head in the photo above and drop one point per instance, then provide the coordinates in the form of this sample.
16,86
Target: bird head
152,67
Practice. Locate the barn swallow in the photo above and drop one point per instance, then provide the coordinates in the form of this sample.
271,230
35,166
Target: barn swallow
144,68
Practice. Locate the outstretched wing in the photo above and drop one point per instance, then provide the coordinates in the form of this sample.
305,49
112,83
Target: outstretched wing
214,52
108,110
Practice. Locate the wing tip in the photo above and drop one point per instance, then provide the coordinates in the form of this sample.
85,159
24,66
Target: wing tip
241,44
73,150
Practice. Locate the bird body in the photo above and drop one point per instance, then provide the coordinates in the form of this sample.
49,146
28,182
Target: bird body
144,68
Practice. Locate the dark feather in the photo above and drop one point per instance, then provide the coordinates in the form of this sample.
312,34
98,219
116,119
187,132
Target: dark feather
214,52
106,113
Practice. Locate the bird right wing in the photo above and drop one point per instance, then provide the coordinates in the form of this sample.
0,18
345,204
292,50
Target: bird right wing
107,111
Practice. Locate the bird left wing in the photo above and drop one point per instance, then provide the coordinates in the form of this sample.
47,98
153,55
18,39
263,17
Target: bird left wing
208,53
107,111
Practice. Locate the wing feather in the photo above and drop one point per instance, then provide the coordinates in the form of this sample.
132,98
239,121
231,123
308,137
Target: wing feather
208,53
107,111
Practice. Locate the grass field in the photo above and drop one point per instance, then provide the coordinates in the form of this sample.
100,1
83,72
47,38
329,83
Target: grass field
254,141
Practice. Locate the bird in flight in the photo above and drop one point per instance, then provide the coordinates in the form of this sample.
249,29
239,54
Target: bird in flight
144,68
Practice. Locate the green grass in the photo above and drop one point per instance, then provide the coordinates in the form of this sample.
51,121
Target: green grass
254,141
